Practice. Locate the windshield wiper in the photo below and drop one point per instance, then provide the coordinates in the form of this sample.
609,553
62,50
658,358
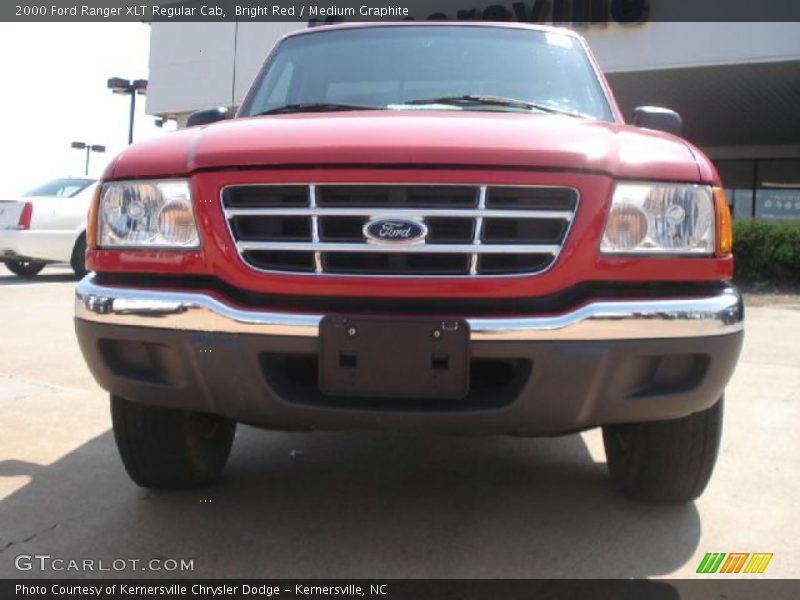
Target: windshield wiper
488,100
314,107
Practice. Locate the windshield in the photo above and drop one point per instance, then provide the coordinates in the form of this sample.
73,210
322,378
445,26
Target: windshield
66,188
389,67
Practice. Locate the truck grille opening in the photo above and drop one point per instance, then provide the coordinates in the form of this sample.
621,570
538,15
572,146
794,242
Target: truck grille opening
472,230
408,264
493,383
397,196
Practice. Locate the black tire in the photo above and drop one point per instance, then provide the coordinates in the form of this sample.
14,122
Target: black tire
25,268
78,259
664,461
164,448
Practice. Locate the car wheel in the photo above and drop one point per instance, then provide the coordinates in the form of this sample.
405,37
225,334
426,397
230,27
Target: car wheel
664,461
78,259
164,448
25,268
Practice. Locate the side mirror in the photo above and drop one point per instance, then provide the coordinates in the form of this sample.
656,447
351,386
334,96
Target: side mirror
655,117
206,116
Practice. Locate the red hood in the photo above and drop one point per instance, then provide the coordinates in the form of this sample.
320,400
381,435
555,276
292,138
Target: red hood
413,138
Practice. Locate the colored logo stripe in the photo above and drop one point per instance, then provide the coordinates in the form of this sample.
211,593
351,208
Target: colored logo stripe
711,562
735,561
758,563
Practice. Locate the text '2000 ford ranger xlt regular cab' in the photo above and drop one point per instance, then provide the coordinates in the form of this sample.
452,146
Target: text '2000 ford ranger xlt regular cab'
442,227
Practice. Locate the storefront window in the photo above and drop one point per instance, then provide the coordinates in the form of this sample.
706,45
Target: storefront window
738,177
766,189
778,193
742,200
780,173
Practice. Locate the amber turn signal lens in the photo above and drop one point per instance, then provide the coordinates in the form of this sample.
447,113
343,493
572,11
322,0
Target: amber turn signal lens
176,224
91,218
724,228
626,227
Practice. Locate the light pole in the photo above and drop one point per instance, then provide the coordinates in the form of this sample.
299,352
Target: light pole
89,148
118,85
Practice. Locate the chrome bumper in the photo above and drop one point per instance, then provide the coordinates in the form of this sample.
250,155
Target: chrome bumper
720,314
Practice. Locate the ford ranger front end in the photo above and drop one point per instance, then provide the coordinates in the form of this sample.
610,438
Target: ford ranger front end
443,227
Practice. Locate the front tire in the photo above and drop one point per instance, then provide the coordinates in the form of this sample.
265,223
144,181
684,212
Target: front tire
25,268
164,448
78,259
664,461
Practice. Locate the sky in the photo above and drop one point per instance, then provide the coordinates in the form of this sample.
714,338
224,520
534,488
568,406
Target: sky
53,92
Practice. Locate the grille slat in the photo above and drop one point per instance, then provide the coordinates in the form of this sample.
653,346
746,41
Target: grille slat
401,249
398,212
472,230
312,200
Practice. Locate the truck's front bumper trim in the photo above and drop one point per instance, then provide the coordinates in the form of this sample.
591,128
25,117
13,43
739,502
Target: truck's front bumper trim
720,314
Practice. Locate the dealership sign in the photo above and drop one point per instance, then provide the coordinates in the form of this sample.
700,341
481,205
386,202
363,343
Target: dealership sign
778,203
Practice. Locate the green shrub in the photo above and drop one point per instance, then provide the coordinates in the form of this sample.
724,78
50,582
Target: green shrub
766,251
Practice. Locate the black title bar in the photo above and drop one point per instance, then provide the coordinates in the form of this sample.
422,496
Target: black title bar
568,12
440,589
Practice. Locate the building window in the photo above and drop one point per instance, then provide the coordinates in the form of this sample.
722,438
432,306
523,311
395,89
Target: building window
738,177
766,189
778,191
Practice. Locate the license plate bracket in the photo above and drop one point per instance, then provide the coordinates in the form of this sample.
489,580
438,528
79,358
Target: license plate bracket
398,358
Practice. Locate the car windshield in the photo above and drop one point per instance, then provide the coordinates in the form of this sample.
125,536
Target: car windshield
66,188
443,67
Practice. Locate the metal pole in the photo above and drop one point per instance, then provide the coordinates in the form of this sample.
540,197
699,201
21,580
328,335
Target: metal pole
130,121
86,168
754,192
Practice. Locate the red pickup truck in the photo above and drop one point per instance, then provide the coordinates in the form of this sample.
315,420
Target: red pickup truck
441,227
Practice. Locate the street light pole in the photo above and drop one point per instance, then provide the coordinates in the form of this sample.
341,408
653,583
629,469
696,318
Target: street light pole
89,148
119,85
130,119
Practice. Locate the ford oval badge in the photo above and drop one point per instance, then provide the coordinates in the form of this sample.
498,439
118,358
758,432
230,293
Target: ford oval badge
395,230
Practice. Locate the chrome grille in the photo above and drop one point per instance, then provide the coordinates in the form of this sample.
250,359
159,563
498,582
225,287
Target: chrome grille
472,230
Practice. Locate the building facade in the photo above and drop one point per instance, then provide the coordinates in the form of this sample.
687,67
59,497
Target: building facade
736,85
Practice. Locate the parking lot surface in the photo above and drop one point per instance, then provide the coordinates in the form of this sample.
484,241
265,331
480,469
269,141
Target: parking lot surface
379,505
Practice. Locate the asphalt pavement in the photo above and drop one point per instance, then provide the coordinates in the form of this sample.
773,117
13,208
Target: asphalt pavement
378,505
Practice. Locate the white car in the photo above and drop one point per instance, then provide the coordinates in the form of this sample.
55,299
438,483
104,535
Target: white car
46,225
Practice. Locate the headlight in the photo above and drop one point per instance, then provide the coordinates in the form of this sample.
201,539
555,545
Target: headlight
147,214
660,218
